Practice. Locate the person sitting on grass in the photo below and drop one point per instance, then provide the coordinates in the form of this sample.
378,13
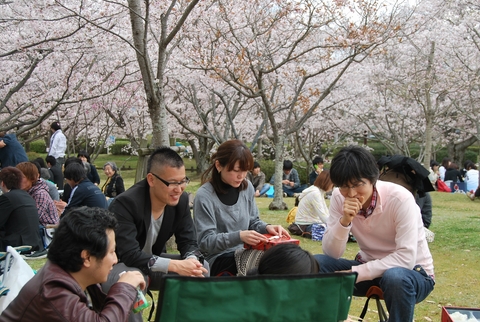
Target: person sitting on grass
387,224
257,178
81,255
38,189
114,184
18,213
225,213
84,192
290,180
312,208
318,168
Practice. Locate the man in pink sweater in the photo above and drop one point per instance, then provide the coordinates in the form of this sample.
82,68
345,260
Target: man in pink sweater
387,224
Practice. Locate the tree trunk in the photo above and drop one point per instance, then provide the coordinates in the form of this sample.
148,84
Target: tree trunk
456,150
277,203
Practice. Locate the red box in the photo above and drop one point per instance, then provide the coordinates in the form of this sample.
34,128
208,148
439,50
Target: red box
271,241
469,312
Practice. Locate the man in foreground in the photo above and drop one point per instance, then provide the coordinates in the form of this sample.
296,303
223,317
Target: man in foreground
387,224
80,256
148,214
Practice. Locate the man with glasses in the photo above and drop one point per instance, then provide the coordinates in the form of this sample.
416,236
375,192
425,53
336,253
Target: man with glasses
148,214
387,224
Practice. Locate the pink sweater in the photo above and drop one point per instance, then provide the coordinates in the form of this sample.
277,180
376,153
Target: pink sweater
393,236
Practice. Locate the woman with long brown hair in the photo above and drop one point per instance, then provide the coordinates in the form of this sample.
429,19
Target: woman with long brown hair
225,213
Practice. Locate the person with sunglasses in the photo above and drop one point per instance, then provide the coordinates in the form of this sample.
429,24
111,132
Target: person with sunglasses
148,214
387,223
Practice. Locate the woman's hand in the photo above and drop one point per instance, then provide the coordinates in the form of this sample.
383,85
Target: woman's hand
251,237
277,230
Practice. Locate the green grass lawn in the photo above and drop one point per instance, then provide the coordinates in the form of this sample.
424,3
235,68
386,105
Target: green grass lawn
456,249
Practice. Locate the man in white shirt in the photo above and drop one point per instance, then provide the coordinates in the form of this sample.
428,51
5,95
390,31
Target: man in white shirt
58,143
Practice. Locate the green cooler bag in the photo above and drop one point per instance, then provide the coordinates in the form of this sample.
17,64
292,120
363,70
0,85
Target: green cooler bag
316,297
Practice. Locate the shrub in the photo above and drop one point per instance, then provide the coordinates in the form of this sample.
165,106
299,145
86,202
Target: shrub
38,146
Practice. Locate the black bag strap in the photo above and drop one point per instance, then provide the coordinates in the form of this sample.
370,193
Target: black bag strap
382,315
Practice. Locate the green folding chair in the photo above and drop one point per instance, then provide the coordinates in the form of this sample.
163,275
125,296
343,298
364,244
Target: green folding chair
315,297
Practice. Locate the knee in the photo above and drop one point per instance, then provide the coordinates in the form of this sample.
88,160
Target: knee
395,278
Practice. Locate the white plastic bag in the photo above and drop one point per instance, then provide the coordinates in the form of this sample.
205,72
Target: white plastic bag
14,277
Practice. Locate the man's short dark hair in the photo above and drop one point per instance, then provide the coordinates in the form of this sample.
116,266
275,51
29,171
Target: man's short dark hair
82,228
75,172
287,165
256,165
11,177
352,164
164,156
71,160
55,126
51,159
317,160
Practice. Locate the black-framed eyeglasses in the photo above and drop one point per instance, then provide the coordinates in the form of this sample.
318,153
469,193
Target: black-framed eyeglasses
184,182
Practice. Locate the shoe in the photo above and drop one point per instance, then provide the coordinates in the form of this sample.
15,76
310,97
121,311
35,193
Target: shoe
471,195
36,255
285,195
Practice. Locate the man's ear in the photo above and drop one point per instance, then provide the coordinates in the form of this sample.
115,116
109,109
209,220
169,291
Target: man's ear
85,254
150,179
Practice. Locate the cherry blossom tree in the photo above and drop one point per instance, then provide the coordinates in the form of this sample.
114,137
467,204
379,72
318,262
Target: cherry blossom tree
288,54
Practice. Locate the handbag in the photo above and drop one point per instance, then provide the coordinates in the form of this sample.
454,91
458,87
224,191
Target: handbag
442,186
15,273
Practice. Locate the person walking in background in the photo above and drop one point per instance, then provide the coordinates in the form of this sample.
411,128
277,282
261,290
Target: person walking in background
257,178
290,180
56,170
443,168
18,213
38,190
80,257
11,151
92,173
225,213
318,168
387,224
58,143
114,184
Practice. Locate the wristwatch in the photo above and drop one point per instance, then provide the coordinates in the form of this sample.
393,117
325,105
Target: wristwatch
199,256
152,261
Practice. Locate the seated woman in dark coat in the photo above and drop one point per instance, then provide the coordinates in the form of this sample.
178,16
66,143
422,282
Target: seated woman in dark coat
18,213
114,184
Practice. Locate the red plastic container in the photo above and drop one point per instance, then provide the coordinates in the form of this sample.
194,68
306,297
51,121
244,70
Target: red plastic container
272,241
469,312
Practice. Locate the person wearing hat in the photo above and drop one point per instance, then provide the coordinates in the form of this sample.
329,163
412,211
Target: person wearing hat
58,143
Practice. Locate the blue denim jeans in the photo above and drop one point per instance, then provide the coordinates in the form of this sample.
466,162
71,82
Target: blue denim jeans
265,188
291,191
402,288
